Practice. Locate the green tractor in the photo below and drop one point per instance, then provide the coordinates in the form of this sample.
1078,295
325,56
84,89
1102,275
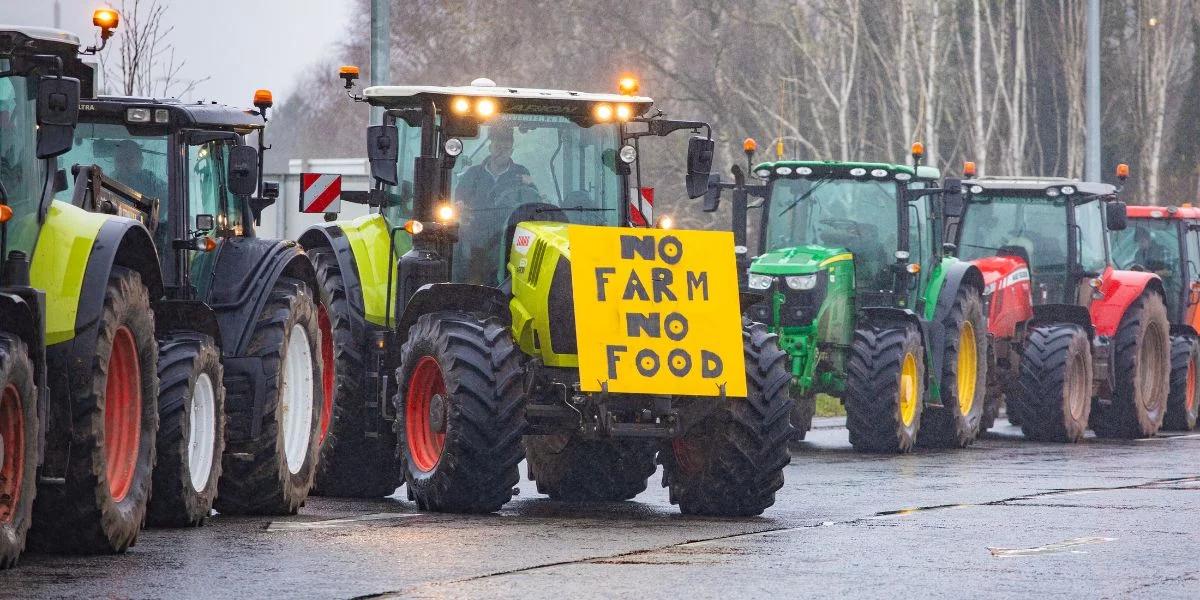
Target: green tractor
242,398
458,301
869,304
78,356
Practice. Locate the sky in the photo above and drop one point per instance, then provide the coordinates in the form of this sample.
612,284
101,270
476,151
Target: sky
260,43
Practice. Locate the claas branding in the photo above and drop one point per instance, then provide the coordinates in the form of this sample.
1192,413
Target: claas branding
663,313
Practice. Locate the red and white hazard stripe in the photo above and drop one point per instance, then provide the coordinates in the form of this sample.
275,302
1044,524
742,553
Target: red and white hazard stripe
320,193
641,206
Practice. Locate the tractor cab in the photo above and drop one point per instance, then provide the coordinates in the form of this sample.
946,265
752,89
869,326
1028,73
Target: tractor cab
1164,240
182,168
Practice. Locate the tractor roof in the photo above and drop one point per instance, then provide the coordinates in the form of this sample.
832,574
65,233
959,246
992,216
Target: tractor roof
827,166
511,100
1039,184
38,39
198,115
1163,212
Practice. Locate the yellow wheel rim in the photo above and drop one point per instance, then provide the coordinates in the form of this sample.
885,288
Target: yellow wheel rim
908,389
967,364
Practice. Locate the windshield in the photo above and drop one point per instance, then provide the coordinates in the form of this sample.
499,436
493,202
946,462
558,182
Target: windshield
21,173
1152,245
855,214
1031,228
139,162
519,168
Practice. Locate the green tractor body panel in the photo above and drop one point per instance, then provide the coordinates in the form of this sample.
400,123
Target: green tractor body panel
537,251
819,330
368,236
59,262
920,172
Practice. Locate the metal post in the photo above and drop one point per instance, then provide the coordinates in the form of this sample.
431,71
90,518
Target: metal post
57,15
1091,156
380,49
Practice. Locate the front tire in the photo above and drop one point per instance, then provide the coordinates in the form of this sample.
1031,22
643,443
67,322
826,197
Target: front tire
571,469
964,376
731,462
358,454
272,473
191,435
460,413
1142,370
102,504
1055,386
1183,404
885,388
18,447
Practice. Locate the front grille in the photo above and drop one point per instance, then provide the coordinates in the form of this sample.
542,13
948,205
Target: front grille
562,310
800,307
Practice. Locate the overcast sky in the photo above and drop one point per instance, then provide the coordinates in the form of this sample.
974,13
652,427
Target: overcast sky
241,45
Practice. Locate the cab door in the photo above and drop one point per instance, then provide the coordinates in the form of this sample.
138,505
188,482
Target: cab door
212,211
1191,261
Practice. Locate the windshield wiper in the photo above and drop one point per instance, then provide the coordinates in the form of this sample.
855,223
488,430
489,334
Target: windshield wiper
816,186
572,208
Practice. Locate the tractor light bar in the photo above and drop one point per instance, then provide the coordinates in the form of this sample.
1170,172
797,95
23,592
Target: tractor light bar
783,170
460,106
1067,190
879,172
858,172
1052,192
803,171
603,112
903,176
485,108
759,282
763,173
162,115
976,189
801,282
137,115
624,112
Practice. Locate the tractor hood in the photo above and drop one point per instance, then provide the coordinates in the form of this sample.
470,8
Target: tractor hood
798,260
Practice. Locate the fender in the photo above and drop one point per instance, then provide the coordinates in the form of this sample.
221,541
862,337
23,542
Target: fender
171,316
1119,290
118,242
453,296
927,330
1183,330
952,274
368,239
331,236
1063,313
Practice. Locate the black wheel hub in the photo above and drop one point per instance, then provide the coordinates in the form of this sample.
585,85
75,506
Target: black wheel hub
437,413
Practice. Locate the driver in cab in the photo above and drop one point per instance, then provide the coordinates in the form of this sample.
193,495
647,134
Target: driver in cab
481,184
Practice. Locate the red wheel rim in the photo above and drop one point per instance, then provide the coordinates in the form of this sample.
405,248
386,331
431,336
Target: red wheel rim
424,444
685,455
328,379
122,414
12,465
1191,386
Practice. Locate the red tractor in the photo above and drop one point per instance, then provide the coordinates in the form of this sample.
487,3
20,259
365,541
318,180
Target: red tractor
1166,242
1077,343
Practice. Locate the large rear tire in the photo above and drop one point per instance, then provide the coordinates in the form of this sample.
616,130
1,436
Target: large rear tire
102,504
568,468
731,462
272,473
1142,372
460,413
191,435
964,376
885,388
1055,386
358,453
1183,404
18,447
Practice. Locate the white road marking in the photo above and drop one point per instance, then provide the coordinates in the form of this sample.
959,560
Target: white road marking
335,523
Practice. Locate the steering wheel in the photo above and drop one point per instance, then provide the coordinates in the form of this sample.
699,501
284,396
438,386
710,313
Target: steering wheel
1137,267
513,196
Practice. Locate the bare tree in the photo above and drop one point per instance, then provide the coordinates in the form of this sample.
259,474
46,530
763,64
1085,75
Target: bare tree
145,62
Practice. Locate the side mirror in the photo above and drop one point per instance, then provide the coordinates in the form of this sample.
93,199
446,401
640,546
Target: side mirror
699,165
953,204
242,175
383,150
1115,215
57,114
266,197
205,223
712,196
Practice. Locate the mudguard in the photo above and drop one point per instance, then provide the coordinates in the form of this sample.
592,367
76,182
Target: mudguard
362,247
952,275
171,316
1119,290
330,235
882,314
453,296
1063,313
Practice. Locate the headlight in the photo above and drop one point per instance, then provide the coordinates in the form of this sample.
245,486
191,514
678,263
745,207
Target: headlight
760,282
801,282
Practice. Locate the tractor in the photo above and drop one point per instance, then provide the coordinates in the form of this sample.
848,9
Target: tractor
78,356
242,393
868,303
1166,241
1077,343
458,300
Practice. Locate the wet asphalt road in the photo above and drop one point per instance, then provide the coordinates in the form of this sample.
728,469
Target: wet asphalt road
1004,518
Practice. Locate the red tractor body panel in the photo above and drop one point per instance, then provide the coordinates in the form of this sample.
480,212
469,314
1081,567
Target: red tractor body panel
1119,289
1006,284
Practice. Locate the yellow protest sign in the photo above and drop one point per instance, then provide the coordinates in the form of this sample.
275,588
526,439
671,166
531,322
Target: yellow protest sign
657,311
